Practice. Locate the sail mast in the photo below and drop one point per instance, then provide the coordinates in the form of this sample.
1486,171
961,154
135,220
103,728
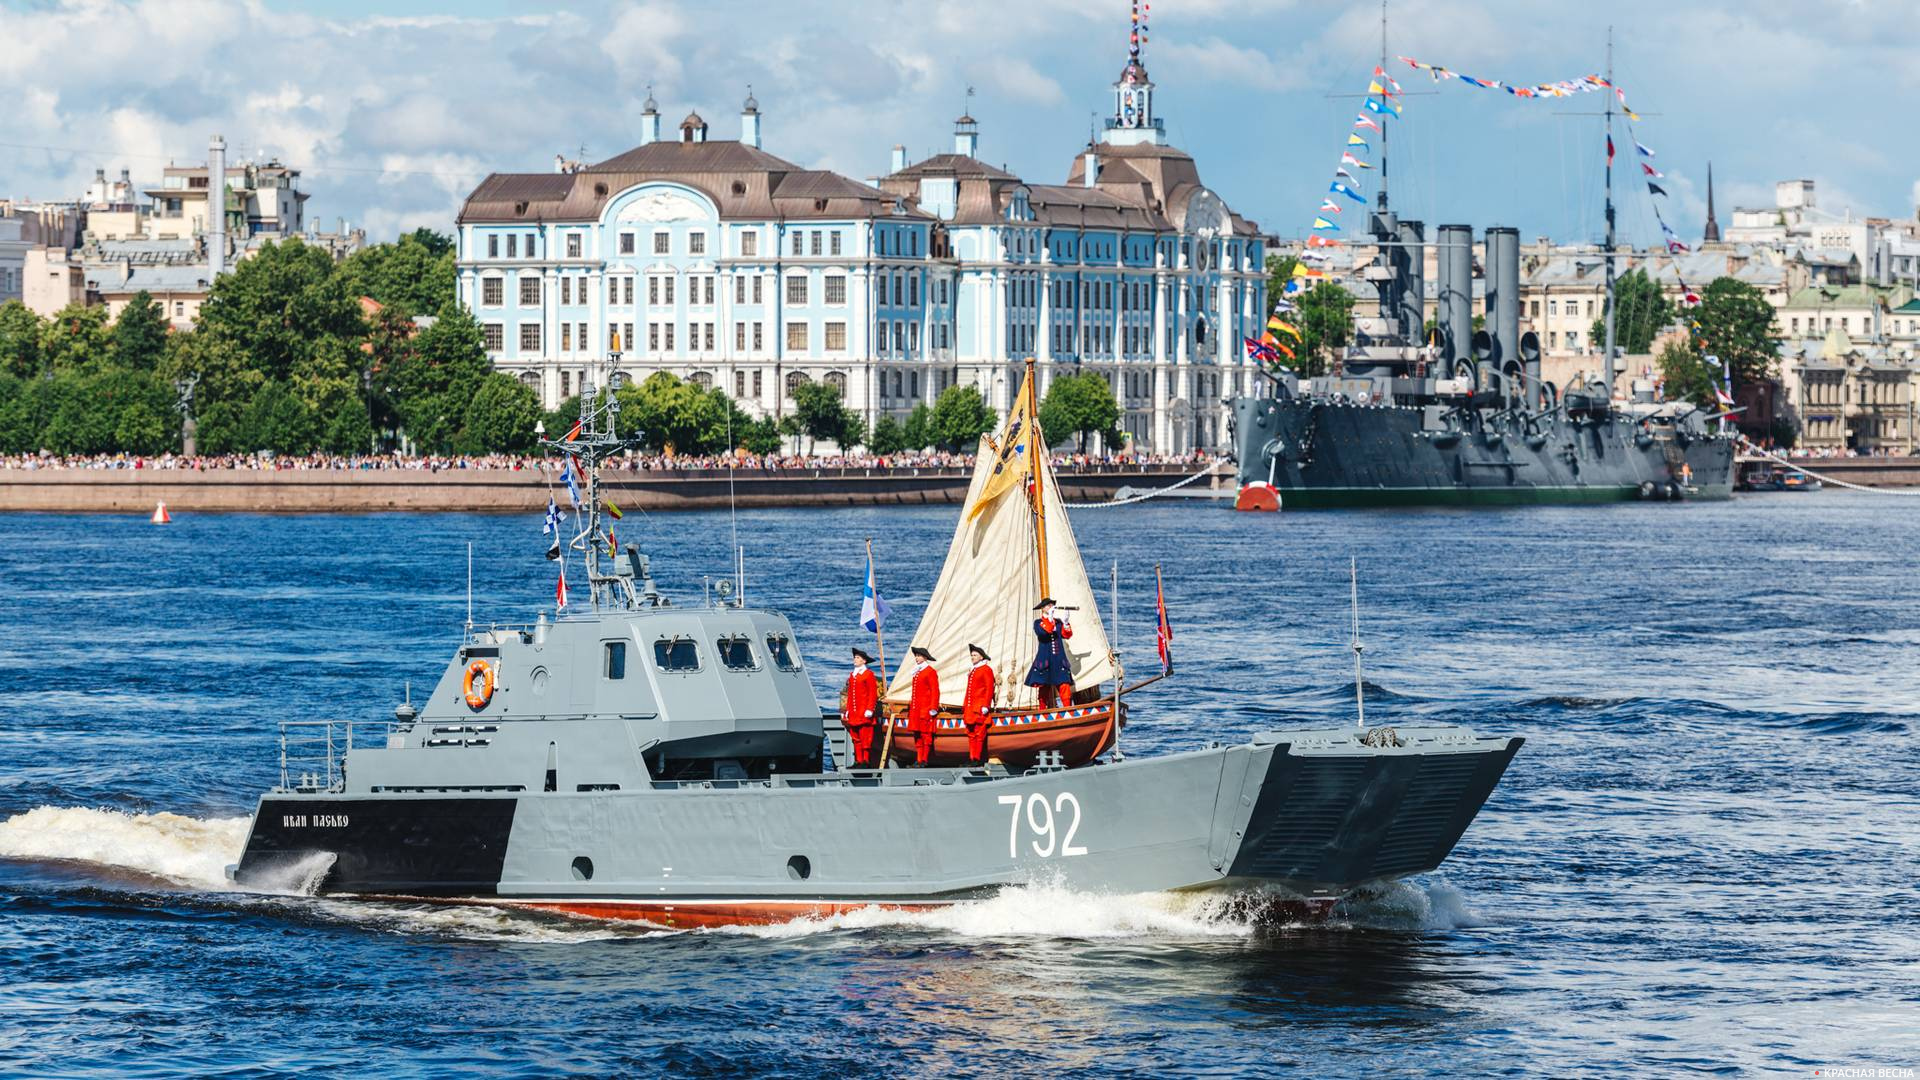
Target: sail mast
1609,244
1036,447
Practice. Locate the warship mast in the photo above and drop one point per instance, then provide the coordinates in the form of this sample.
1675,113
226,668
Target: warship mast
594,439
1608,247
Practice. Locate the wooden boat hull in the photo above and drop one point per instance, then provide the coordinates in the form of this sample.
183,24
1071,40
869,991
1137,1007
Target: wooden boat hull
1079,732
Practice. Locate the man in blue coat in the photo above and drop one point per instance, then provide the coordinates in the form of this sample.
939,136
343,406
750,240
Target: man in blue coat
1052,672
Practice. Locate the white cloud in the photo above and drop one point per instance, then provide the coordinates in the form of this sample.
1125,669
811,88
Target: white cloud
1761,90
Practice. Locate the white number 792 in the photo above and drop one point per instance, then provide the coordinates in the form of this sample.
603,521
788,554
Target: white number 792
1039,819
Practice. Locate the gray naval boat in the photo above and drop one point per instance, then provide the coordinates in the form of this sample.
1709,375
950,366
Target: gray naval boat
640,758
1467,419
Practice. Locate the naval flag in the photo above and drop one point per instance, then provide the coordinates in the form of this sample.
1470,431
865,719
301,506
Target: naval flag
560,590
551,527
1163,630
874,608
573,488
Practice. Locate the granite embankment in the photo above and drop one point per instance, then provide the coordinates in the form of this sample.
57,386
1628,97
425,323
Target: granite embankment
506,490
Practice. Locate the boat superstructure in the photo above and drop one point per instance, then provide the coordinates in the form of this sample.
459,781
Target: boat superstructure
636,757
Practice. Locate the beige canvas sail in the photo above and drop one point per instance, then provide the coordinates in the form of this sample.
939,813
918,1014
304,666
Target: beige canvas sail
987,590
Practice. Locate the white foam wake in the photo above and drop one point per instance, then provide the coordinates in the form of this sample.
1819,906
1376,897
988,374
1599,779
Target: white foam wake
191,851
1042,911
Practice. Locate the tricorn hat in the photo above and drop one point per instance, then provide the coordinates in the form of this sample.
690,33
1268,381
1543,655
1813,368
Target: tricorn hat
863,654
1044,601
922,653
981,651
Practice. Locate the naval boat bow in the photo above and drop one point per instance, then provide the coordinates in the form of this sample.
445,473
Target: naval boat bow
639,758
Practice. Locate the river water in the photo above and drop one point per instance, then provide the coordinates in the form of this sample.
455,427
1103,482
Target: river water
1702,860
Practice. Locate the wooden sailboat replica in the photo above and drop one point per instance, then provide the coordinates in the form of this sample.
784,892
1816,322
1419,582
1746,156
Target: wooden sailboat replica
1012,546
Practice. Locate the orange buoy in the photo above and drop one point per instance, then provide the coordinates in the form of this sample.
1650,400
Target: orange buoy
1259,497
160,515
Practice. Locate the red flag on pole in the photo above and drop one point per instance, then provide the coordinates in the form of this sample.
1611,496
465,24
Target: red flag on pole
1609,149
560,590
1163,633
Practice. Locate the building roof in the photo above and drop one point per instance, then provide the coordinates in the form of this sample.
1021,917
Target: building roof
744,181
117,279
1845,296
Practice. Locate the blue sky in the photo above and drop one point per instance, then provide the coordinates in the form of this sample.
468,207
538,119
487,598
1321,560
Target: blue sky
396,109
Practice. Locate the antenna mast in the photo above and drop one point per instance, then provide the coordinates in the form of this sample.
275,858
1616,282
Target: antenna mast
1359,687
1610,240
1381,198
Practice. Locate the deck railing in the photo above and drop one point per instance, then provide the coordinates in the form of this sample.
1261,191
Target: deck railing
313,753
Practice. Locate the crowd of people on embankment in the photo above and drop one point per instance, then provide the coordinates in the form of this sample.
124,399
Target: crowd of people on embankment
634,463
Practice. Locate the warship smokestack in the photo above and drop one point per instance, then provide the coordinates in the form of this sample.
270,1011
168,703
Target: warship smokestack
1411,266
1503,300
216,208
1456,295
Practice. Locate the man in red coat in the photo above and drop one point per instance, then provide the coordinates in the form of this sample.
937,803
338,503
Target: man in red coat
979,704
862,709
923,708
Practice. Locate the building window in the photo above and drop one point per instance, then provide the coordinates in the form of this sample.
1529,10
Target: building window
709,290
530,337
739,384
653,337
566,291
796,380
492,292
493,247
573,245
668,331
756,376
660,244
749,244
696,243
833,242
799,244
739,289
513,246
626,335
913,292
666,291
913,336
566,384
529,290
757,292
703,379
179,307
530,253
836,287
566,337
740,337
759,340
797,336
629,292
899,292
709,337
653,291
816,242
836,337
838,381
494,335
797,289
626,243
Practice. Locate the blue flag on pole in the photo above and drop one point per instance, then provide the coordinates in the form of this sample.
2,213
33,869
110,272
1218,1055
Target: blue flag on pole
573,489
873,608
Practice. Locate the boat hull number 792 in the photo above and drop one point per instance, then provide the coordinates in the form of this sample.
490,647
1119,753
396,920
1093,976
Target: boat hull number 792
1051,825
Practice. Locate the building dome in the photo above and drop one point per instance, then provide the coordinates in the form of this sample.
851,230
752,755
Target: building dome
751,105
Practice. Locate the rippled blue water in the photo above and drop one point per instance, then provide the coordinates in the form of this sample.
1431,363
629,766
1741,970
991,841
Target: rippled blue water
1703,859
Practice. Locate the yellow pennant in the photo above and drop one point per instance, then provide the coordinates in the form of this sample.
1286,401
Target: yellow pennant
1014,459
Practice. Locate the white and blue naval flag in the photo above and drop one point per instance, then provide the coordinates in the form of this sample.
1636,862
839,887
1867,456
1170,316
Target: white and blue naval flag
573,489
551,527
873,608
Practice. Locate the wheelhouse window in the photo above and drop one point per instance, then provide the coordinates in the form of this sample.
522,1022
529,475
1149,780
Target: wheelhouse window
780,647
676,654
736,654
616,660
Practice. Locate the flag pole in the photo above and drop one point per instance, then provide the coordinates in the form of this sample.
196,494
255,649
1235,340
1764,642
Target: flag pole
880,646
1036,446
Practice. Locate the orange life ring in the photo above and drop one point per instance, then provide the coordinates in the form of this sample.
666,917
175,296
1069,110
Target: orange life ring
478,698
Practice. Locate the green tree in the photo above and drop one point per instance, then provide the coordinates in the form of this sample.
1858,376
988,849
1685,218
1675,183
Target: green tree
1736,325
761,437
277,421
139,334
280,305
74,338
672,414
427,379
345,427
20,333
19,428
1081,405
821,414
500,418
221,369
106,410
960,417
917,432
1686,376
415,274
1279,275
1324,315
887,437
1641,311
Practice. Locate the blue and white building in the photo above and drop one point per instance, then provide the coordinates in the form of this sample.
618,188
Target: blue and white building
729,266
